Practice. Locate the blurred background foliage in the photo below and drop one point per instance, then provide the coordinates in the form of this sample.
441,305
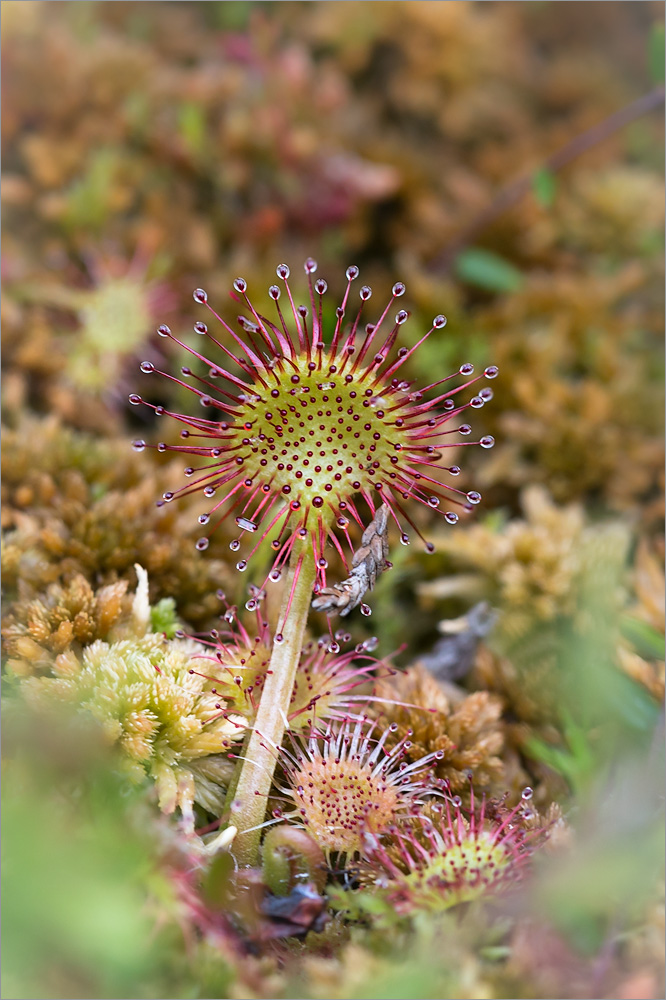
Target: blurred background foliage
506,161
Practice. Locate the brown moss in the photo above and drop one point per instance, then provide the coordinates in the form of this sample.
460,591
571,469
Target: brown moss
67,615
78,506
469,731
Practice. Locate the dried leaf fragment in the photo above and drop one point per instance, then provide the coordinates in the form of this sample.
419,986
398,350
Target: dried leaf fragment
368,562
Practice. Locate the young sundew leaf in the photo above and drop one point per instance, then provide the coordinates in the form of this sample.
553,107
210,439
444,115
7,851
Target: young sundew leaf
544,187
655,53
488,270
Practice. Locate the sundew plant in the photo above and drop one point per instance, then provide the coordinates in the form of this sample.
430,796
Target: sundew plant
316,439
333,585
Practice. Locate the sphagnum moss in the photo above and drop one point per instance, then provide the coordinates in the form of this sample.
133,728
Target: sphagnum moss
151,704
307,423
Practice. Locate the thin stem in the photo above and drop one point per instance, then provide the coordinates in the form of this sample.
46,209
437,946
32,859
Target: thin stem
233,784
248,810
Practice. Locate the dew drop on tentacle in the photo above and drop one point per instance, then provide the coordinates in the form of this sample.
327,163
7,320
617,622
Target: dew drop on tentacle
439,322
466,369
200,296
352,272
366,610
398,289
321,286
310,266
138,445
246,524
134,399
200,328
240,284
282,271
474,497
491,371
147,367
451,517
241,566
235,544
404,539
163,330
202,544
487,441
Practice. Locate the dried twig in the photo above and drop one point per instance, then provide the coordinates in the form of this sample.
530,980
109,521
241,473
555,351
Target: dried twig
368,562
516,190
